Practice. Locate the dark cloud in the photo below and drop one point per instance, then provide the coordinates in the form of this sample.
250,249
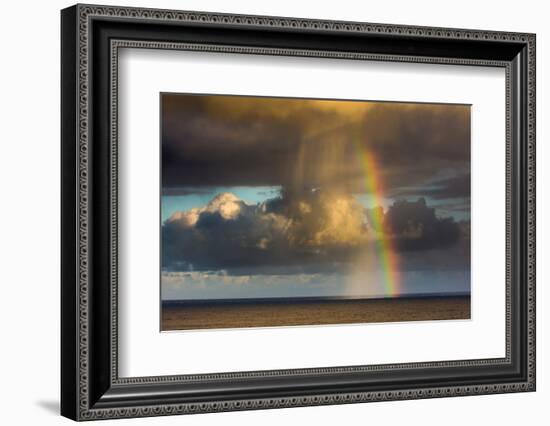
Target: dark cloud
457,186
316,152
415,226
312,230
231,140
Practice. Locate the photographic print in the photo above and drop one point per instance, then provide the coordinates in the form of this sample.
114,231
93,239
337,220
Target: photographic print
289,211
326,240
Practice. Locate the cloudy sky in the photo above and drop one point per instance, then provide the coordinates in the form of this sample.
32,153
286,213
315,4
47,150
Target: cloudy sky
279,197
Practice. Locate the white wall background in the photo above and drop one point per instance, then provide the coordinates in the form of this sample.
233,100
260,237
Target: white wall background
29,212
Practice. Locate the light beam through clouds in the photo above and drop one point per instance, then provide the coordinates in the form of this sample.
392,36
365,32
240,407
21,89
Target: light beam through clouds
318,197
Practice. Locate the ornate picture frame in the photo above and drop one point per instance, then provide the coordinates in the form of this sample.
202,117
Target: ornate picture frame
91,37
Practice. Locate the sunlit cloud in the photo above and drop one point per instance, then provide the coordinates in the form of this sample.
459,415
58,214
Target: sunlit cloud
236,140
306,228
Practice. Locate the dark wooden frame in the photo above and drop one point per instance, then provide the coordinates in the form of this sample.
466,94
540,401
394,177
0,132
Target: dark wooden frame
90,386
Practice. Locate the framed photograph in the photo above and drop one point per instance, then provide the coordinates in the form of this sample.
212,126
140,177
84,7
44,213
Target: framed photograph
263,212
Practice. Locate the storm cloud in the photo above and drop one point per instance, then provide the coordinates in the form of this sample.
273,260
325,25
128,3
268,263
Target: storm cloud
313,230
457,186
329,185
297,143
416,226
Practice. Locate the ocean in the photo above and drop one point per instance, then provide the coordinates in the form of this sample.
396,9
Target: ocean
274,312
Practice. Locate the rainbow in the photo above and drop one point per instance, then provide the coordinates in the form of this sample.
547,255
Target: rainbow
388,258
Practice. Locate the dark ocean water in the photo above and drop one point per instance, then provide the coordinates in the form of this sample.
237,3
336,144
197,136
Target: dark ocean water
272,312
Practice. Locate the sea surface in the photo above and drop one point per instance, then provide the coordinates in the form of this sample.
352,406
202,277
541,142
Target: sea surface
273,312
